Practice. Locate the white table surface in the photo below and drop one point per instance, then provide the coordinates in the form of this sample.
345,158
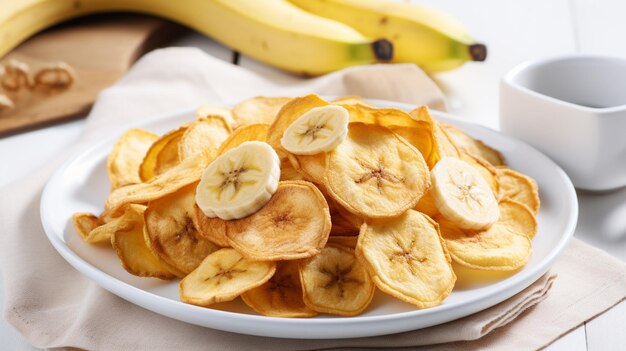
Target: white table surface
515,31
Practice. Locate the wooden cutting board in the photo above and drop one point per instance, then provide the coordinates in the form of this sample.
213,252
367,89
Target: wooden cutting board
99,48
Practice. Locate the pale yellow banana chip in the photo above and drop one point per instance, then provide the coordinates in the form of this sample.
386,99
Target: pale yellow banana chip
518,216
222,276
407,258
311,167
281,296
519,187
129,243
502,247
375,173
127,155
351,100
84,223
204,135
445,145
171,232
294,224
335,282
248,132
473,146
427,206
259,109
162,155
344,240
213,229
204,111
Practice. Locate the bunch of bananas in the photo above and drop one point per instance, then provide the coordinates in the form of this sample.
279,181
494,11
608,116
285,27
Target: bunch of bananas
309,37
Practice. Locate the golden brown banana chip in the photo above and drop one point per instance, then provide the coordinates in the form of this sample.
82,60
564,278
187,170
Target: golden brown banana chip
445,145
518,187
171,232
288,172
344,240
187,172
103,232
129,243
375,173
473,146
518,216
162,155
281,296
213,229
335,282
427,206
84,223
500,248
294,224
351,100
258,109
407,258
248,132
204,111
486,170
127,155
222,276
311,167
204,135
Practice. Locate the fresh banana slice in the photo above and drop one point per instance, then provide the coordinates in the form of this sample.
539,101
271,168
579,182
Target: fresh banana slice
294,224
486,170
318,130
222,276
335,282
171,233
462,195
281,296
407,258
239,182
375,173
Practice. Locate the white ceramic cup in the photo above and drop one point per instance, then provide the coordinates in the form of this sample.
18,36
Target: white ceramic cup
573,109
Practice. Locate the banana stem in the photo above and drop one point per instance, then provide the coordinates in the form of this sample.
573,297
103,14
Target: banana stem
383,49
478,52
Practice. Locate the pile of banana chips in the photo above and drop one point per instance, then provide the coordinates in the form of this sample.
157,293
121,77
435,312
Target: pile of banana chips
303,206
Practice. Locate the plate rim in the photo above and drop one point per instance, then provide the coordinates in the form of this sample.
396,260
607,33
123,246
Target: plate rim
127,291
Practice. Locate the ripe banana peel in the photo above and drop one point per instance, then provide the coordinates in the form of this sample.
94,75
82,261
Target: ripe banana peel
421,35
272,31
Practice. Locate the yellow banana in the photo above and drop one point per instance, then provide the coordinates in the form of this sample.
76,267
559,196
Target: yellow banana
272,31
421,35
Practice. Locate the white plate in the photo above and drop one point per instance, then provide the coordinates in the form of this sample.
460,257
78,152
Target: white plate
81,184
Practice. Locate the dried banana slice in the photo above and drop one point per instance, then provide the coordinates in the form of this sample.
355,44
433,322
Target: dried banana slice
294,224
171,232
214,229
335,282
258,109
281,296
462,195
248,132
162,155
204,111
407,258
128,241
290,112
127,155
344,240
239,182
222,276
84,223
427,206
205,135
320,129
445,145
518,216
473,146
519,187
374,173
311,167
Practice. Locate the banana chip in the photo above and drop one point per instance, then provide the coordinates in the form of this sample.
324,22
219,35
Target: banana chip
473,146
344,240
171,232
222,276
288,172
310,167
127,155
335,282
518,187
427,206
445,145
502,247
259,109
128,242
374,173
205,135
248,132
213,229
84,223
204,111
351,100
407,259
290,112
294,224
162,155
518,216
175,178
102,233
281,296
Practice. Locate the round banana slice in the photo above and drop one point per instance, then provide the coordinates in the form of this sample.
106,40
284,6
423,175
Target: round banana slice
214,229
519,187
290,112
462,195
473,146
171,232
320,129
375,173
281,296
127,155
294,224
258,109
407,258
242,134
205,135
239,182
222,276
204,111
162,155
335,282
518,216
486,170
